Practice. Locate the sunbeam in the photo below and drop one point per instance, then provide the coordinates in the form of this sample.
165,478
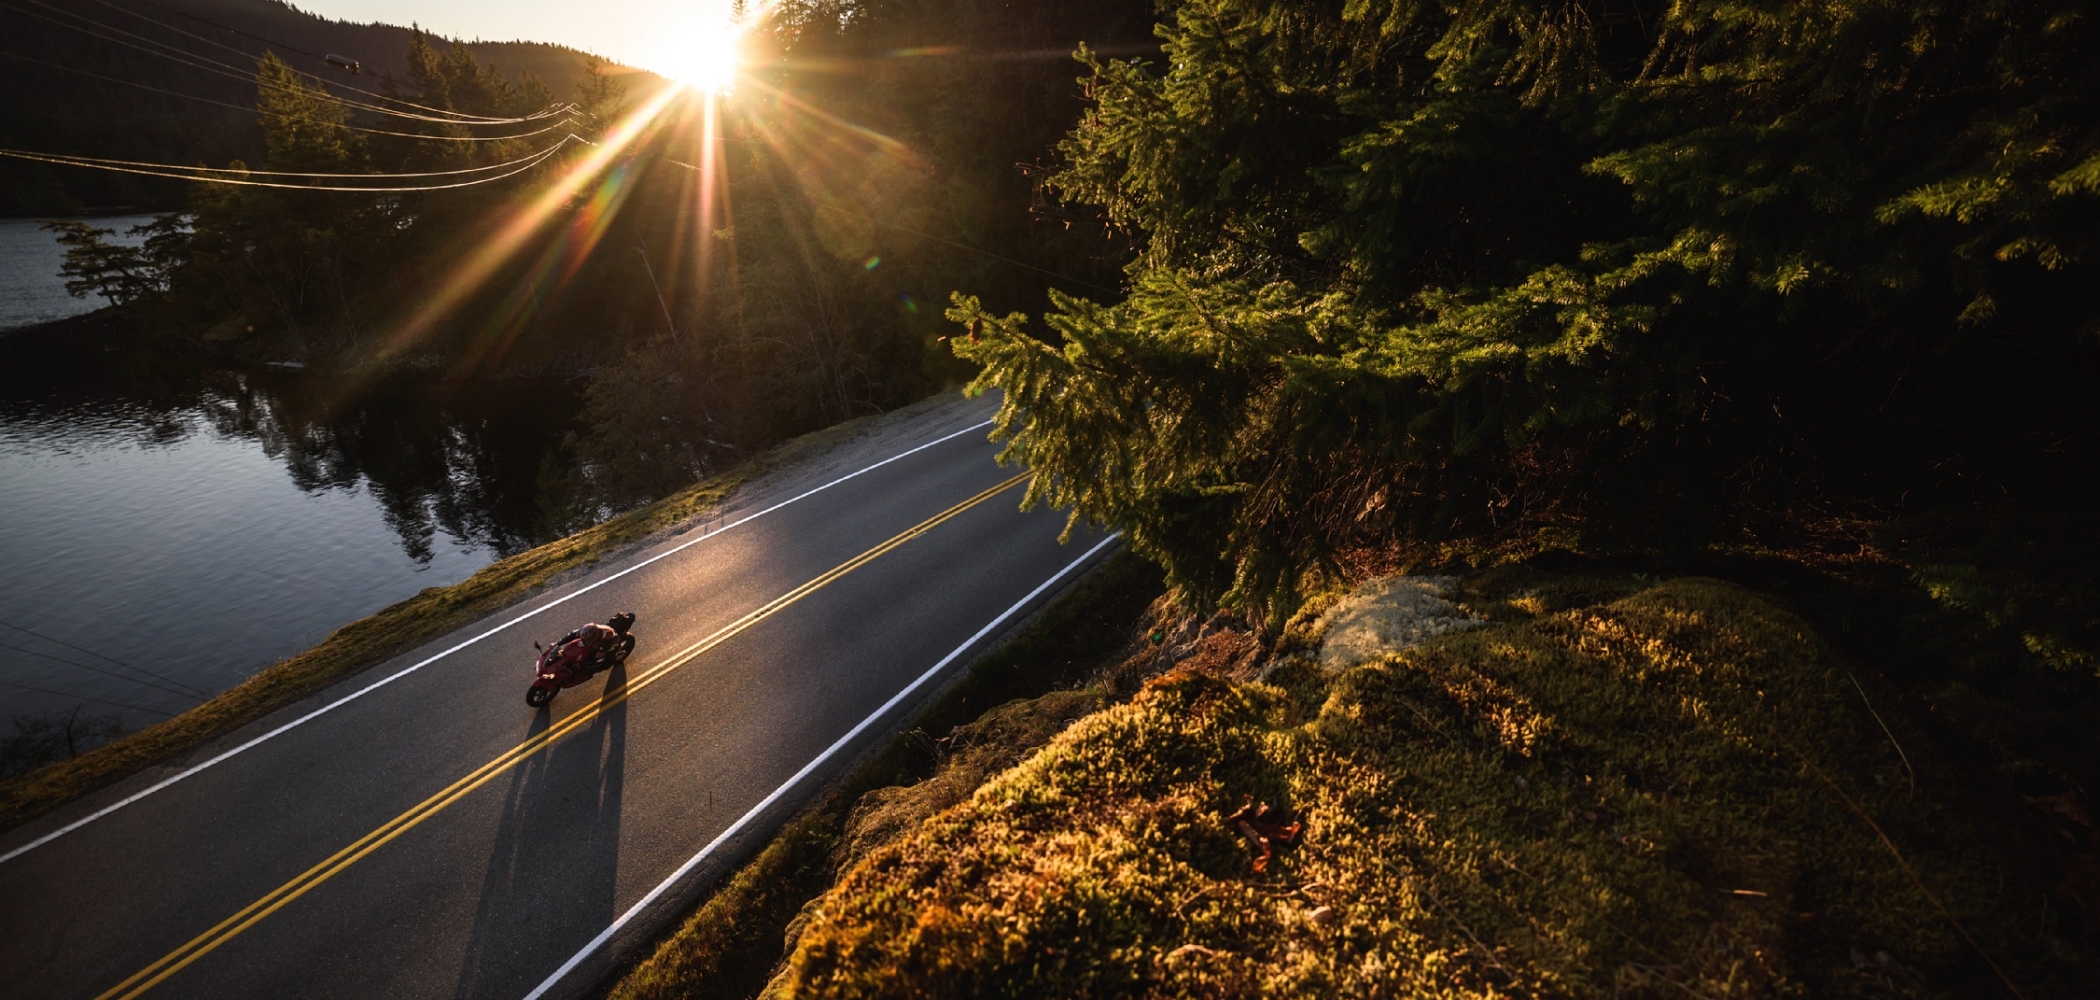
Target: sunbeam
513,228
832,163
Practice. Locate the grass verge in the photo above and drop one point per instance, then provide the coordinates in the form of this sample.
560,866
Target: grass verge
1014,698
393,631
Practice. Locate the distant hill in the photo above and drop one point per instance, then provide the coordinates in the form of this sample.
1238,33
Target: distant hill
82,77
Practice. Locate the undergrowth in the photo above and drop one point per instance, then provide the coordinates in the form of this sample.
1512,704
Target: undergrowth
1623,788
1012,700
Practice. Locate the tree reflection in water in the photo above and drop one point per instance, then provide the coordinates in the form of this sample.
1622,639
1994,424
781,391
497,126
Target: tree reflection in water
481,462
211,519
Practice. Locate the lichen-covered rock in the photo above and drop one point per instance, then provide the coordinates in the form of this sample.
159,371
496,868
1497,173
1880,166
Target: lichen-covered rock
1387,615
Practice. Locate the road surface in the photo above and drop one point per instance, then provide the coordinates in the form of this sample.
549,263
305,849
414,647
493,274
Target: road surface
432,836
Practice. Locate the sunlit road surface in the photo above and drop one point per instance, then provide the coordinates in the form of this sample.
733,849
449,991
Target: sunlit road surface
437,838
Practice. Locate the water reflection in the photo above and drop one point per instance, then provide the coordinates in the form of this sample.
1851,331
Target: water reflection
206,521
480,462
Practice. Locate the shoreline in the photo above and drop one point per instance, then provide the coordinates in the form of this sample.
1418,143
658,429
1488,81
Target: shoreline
113,328
370,641
91,213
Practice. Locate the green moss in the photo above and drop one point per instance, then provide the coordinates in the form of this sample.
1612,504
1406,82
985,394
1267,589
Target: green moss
1664,795
733,942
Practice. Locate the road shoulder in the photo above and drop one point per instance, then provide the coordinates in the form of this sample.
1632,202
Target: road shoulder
139,759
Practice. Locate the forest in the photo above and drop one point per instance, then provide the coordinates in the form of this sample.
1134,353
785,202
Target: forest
1797,295
864,175
1731,359
1323,277
1628,276
169,82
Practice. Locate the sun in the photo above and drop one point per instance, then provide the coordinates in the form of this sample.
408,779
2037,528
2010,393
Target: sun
701,50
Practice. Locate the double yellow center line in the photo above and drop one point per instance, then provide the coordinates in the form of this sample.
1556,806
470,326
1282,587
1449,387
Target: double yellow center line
227,929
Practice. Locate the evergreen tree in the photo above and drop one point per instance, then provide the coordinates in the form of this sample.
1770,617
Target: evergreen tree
280,260
1457,267
94,266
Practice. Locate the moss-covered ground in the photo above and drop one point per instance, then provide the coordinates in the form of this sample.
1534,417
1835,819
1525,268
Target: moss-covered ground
1011,701
1621,788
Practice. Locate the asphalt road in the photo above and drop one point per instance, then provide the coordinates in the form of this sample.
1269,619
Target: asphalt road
437,838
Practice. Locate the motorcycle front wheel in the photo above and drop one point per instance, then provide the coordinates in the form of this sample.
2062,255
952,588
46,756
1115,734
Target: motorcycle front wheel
621,651
538,696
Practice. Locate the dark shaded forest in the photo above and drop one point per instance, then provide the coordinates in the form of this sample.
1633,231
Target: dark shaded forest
138,80
1668,273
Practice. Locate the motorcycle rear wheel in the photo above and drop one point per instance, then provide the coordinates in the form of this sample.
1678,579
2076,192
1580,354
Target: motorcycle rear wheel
621,651
538,696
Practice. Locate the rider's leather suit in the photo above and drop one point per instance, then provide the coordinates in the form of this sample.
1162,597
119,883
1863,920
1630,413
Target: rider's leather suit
578,648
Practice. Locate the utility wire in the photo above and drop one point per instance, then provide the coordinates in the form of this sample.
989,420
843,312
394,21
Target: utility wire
82,697
265,41
183,58
244,52
208,65
281,116
99,670
81,649
67,162
338,175
197,61
193,61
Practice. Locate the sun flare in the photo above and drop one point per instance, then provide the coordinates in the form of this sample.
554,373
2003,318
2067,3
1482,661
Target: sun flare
702,49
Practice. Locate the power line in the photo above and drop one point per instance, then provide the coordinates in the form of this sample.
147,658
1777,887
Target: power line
72,162
208,65
99,670
281,116
338,175
265,41
183,58
190,60
99,656
82,697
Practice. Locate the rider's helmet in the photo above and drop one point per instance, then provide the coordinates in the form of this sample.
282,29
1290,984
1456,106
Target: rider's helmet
621,622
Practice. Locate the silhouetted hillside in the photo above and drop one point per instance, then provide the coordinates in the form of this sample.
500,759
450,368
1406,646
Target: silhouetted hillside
156,80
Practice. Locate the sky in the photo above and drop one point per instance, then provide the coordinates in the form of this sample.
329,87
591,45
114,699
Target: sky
651,34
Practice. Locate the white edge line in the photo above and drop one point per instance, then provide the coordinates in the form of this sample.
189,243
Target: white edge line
749,817
405,671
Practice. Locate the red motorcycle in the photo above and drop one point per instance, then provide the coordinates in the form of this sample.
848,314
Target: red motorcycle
579,656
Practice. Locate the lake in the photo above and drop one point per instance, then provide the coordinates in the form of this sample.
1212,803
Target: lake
31,290
171,526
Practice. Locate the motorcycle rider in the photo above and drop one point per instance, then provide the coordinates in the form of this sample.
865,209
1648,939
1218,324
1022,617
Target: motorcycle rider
583,647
